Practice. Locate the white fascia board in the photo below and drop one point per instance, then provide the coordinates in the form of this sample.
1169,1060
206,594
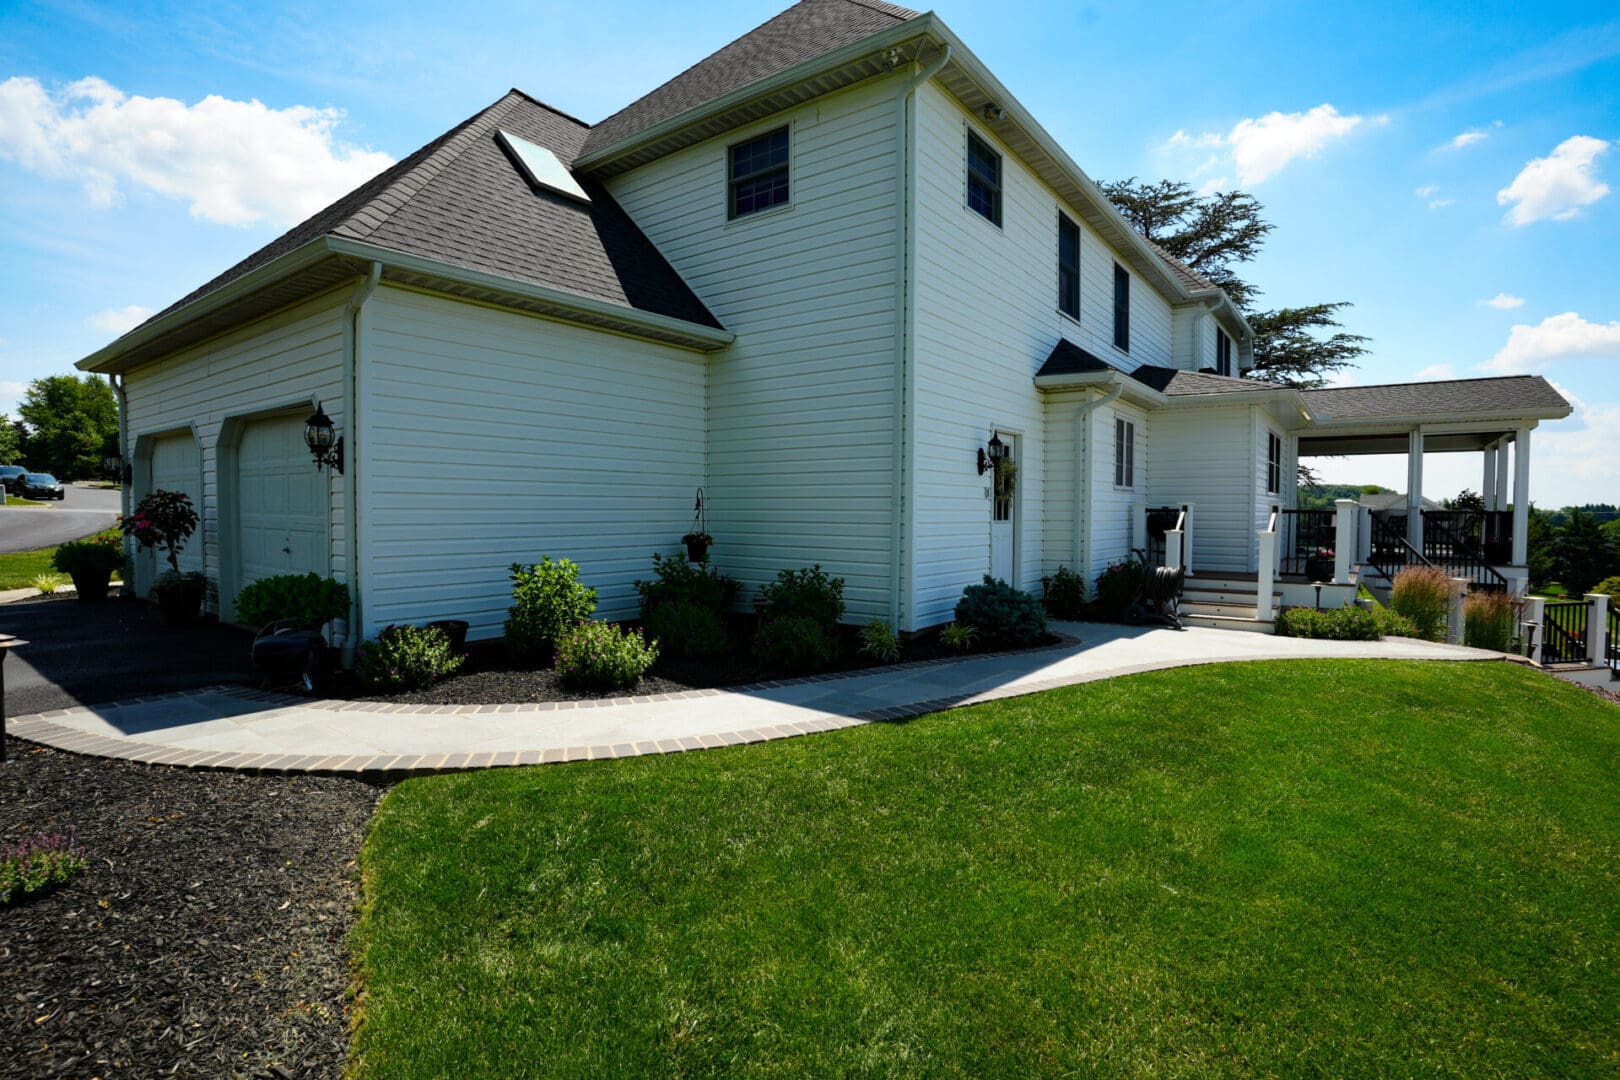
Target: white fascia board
1130,389
1438,422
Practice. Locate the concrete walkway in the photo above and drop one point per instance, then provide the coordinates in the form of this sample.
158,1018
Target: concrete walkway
236,728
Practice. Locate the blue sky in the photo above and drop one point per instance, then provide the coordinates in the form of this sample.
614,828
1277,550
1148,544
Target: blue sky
1417,164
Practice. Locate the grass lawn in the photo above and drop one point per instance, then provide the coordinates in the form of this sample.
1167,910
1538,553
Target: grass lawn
18,500
1329,868
19,569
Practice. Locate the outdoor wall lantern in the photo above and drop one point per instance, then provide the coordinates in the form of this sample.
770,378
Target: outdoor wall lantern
990,456
323,440
116,468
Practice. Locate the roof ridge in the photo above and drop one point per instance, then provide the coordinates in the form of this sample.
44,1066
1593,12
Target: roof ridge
1428,382
438,154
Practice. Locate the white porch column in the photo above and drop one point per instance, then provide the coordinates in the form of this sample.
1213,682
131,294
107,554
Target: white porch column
1455,619
1265,583
1487,489
1344,537
1187,538
1364,534
1535,613
1521,497
1173,556
1597,628
1414,488
1502,464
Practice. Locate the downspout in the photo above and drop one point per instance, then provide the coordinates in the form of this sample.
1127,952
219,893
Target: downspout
117,382
1082,482
905,152
351,454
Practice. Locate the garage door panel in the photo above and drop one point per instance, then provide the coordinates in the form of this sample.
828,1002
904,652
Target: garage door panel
176,466
281,502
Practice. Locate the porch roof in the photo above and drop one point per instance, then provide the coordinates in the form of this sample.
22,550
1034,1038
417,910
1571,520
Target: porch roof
1456,414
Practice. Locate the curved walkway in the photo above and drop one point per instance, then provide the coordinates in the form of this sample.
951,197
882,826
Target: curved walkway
237,728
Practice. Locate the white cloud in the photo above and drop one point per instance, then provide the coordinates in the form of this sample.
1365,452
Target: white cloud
234,162
1504,301
1555,338
118,320
1262,147
1440,204
1579,455
1434,372
1467,138
1559,185
10,394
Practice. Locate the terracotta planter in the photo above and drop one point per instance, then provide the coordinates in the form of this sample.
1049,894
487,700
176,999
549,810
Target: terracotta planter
91,585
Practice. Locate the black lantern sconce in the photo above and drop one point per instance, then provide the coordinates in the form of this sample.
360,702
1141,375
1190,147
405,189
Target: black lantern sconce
117,469
990,456
323,440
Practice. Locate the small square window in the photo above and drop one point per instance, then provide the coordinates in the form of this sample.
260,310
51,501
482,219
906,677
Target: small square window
1068,267
759,174
983,179
1124,453
1122,308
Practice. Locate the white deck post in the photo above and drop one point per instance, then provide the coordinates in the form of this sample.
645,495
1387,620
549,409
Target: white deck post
1499,496
1487,489
1535,613
1521,497
1456,621
1597,627
1187,538
1265,579
1172,548
1344,537
1414,488
1364,535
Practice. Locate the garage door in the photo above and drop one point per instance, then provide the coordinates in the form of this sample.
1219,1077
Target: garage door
281,501
176,467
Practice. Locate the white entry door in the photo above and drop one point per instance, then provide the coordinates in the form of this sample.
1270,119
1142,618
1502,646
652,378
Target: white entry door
281,502
1004,484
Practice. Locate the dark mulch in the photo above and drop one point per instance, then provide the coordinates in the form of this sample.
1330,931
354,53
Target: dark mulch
205,940
489,677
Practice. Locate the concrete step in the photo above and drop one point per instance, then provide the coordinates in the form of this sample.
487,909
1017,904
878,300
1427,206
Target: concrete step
1223,596
1227,622
1236,611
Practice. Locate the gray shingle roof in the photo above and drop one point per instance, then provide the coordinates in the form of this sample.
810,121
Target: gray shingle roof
1192,279
1067,358
460,200
803,32
1530,394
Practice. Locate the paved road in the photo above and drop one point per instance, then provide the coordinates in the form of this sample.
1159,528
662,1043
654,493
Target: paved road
85,511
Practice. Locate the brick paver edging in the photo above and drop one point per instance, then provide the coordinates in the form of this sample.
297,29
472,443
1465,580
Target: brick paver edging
41,728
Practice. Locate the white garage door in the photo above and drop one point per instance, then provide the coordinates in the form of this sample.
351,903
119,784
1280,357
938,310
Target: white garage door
176,467
281,500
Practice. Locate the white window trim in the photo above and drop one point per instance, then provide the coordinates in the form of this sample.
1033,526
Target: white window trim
967,176
1129,473
763,128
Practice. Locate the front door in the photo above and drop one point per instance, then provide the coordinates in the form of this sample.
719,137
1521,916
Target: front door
282,502
1004,511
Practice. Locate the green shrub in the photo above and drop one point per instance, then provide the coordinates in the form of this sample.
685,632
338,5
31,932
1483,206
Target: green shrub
99,554
601,656
959,637
793,644
880,642
406,658
678,580
687,628
1117,588
1005,617
1610,587
1332,624
809,593
1393,625
1066,594
37,863
547,602
1490,621
1423,595
47,584
311,599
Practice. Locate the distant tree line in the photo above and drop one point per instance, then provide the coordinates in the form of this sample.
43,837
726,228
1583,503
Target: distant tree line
66,425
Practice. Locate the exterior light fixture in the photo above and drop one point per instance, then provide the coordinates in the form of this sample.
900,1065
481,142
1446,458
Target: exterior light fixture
116,468
324,443
990,456
994,112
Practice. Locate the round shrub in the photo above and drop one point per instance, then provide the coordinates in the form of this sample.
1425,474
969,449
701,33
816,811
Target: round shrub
1004,616
1066,594
678,580
1117,588
406,658
1610,587
793,644
102,553
687,628
601,656
311,599
808,593
547,602
1332,624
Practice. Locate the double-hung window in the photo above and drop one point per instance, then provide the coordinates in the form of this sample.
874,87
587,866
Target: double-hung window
1274,463
1122,308
1068,267
759,174
983,179
1124,453
1223,352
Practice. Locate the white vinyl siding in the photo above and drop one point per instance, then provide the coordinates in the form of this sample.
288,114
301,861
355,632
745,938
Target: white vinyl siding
802,408
281,361
492,438
1202,456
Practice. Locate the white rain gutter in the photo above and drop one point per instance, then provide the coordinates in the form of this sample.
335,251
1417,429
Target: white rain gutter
906,151
1082,489
351,464
117,382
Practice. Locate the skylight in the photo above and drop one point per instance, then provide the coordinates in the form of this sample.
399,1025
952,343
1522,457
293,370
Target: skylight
542,167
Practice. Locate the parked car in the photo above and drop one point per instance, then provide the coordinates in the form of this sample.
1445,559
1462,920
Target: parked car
41,485
11,476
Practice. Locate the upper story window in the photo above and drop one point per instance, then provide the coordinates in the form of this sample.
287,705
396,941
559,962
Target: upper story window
1223,352
983,179
1124,453
1122,308
759,174
1274,463
1068,267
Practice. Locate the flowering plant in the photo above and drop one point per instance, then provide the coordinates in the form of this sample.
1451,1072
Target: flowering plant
601,656
163,521
37,863
406,658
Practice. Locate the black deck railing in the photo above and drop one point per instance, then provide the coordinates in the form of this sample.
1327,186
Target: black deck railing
1388,549
1611,648
1563,631
1306,536
1452,540
1160,520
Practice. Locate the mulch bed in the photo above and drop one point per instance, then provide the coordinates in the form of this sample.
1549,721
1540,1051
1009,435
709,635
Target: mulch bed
205,940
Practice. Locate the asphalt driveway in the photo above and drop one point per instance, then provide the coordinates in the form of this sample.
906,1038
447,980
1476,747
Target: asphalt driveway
84,512
82,654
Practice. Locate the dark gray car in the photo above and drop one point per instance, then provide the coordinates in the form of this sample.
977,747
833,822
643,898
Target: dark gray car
40,485
11,476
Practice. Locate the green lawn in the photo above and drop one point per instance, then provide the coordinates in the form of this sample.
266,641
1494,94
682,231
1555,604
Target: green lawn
19,569
1292,868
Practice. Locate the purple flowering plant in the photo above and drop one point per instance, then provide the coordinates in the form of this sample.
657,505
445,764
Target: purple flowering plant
38,863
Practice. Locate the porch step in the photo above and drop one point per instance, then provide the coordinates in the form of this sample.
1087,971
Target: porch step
1228,622
1202,595
1238,610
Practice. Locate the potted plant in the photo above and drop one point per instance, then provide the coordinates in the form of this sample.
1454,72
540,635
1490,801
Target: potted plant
1319,565
90,563
164,521
697,546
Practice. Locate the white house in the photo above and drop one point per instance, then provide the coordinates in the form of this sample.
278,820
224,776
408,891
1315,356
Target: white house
815,275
